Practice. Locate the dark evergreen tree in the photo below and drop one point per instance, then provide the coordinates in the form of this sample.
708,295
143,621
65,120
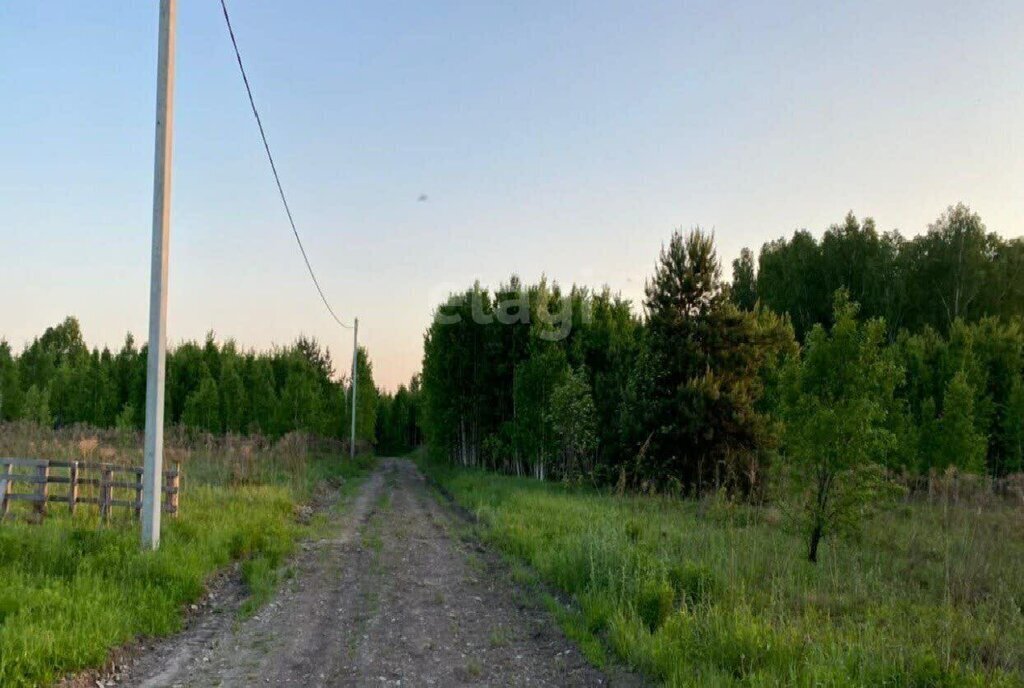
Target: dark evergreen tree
744,283
699,384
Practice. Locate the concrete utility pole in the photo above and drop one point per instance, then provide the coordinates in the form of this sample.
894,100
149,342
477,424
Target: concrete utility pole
152,475
355,376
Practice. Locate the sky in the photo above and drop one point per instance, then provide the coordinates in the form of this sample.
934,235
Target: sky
566,139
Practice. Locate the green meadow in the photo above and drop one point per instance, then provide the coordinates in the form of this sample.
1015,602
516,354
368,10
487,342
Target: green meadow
715,593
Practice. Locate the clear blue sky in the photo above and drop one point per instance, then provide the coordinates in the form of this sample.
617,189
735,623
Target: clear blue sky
566,138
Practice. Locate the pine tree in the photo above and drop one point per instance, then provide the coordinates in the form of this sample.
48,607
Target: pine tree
698,385
680,298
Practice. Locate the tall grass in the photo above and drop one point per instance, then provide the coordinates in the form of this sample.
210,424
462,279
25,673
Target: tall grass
713,593
72,589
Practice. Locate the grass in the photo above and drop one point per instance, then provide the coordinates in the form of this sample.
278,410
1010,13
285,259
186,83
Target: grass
712,593
73,590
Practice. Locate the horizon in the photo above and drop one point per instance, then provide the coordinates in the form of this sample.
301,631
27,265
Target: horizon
635,304
571,144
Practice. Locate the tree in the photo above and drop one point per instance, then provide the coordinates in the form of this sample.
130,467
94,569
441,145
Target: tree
210,385
855,257
366,399
957,270
234,400
574,420
684,292
396,429
834,405
319,358
744,284
958,443
697,384
36,406
533,436
1013,428
604,345
300,406
10,384
262,397
129,375
1004,293
950,266
202,407
791,280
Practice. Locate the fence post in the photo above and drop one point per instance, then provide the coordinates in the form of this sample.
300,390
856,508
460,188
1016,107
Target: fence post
72,487
5,489
173,482
138,495
42,489
105,493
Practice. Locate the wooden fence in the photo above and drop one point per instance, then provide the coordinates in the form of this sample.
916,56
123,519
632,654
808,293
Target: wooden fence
107,486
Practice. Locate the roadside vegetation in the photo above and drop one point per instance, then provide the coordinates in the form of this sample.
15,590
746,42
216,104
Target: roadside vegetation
713,592
808,475
710,390
73,590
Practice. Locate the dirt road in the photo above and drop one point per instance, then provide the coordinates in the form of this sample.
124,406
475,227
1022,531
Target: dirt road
391,597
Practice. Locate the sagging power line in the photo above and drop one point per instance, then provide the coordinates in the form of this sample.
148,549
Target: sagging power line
295,231
273,168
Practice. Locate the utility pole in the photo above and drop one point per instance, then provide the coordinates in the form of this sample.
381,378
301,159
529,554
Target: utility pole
355,376
154,451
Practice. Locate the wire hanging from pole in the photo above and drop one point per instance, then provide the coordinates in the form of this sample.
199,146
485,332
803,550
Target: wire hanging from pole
273,168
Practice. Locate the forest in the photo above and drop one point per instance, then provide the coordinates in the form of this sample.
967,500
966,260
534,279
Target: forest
703,389
212,387
861,349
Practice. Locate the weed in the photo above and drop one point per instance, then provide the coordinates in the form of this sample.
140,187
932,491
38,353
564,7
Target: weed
473,668
499,637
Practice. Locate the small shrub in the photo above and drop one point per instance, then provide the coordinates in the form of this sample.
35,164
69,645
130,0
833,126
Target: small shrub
655,601
694,584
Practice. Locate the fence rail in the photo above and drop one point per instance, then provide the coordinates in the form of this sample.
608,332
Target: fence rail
108,493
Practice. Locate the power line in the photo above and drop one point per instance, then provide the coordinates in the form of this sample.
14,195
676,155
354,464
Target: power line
273,168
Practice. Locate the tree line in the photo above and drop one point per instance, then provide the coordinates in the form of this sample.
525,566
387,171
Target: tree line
212,386
398,419
956,271
919,342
